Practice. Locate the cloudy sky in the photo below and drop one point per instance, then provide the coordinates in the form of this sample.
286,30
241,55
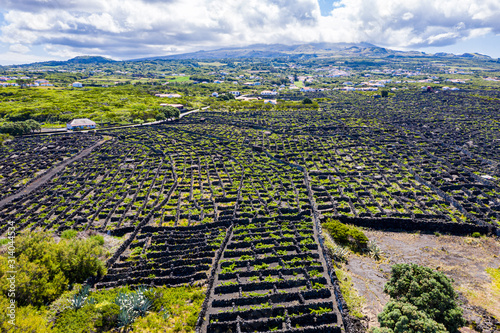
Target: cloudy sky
39,30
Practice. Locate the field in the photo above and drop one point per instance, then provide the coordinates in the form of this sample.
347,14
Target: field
234,201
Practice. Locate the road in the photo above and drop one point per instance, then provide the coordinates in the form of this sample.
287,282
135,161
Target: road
58,130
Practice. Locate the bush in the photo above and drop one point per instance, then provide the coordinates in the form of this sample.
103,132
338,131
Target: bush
476,234
79,259
429,291
307,101
69,234
20,127
401,317
78,321
45,268
108,318
345,234
98,238
28,319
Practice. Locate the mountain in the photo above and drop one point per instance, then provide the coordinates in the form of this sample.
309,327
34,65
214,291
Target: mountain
301,51
292,51
73,61
475,56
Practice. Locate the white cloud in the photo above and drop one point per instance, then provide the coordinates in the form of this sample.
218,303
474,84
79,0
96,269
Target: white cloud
134,28
19,48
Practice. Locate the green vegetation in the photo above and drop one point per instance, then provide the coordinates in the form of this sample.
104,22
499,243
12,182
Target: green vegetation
149,310
423,300
20,127
4,137
45,268
354,301
345,234
69,234
120,104
401,317
494,273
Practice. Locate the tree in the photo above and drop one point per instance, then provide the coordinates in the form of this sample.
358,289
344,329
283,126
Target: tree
307,101
400,317
429,291
20,127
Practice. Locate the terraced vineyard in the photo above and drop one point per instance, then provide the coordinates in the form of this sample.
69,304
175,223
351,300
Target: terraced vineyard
234,201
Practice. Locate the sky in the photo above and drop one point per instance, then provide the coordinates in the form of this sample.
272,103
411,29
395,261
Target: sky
41,30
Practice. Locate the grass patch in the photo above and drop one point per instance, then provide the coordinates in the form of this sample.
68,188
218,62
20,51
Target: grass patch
179,79
299,84
69,234
354,301
494,273
174,310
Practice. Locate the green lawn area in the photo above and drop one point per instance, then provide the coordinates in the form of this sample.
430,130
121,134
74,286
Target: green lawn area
179,79
299,84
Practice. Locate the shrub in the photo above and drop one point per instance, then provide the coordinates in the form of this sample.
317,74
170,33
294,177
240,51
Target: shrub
307,101
69,234
28,319
108,318
345,234
99,239
79,259
429,291
78,321
45,268
20,127
400,317
476,234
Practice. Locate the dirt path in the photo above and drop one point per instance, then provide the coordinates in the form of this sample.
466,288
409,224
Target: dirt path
49,174
464,259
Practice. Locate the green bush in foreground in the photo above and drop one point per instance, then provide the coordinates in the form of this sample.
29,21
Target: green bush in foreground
415,290
45,268
399,317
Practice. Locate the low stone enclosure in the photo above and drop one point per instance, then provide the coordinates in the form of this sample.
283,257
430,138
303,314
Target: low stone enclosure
234,202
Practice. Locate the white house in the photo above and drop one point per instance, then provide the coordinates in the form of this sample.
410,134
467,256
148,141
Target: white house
80,124
235,93
215,94
268,93
77,85
168,95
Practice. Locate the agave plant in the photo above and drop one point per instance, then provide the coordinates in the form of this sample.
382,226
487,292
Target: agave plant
132,305
81,298
374,250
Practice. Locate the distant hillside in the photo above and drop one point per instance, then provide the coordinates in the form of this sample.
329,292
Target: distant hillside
292,51
302,51
74,61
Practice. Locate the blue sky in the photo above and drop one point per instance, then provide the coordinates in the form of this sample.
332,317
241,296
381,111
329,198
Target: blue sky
40,30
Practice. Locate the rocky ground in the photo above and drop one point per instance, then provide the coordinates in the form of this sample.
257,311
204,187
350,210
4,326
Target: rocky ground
464,259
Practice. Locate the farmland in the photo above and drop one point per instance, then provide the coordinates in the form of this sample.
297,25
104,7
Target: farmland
231,203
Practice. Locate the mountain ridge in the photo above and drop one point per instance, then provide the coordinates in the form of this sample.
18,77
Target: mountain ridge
297,51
